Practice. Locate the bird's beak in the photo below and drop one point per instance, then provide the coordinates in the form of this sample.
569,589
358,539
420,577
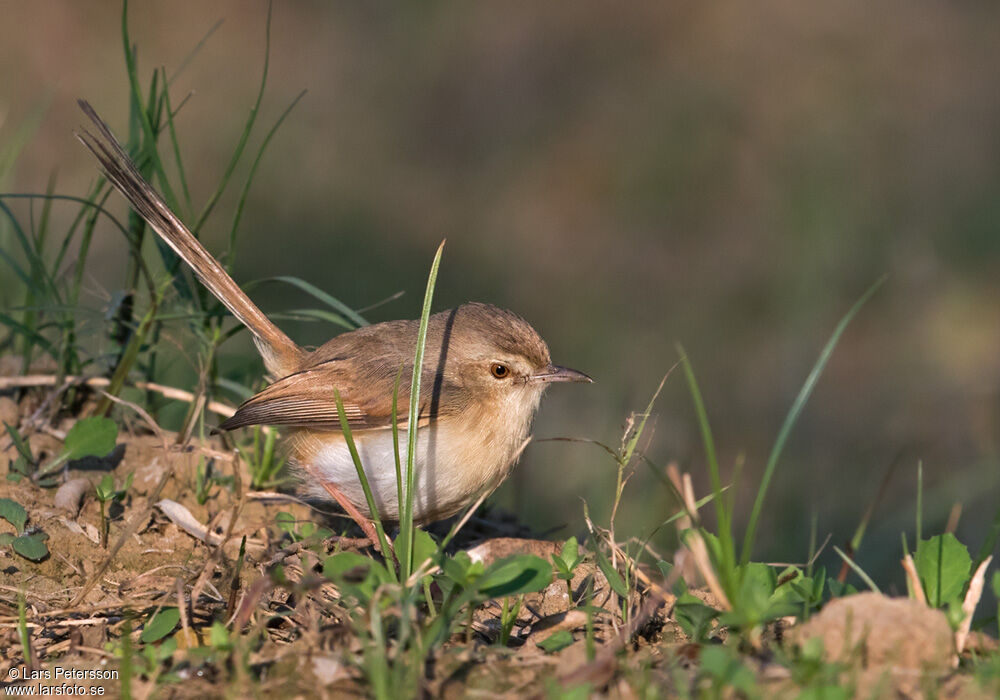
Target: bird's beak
555,373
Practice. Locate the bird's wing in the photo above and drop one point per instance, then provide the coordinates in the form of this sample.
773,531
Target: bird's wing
307,399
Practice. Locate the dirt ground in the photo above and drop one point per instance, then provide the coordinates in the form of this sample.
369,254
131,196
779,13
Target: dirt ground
85,603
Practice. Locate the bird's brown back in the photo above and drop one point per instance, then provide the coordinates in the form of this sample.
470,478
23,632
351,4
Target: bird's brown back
365,364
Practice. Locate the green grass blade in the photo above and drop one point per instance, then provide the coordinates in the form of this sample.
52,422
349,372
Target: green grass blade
313,315
250,176
345,428
723,514
19,328
633,440
920,500
186,61
406,517
149,134
395,438
793,415
318,294
857,569
245,136
23,134
37,276
172,132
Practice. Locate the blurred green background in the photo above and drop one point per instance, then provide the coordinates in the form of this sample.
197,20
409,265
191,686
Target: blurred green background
728,175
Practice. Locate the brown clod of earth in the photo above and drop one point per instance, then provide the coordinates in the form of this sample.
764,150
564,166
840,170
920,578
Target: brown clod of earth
895,643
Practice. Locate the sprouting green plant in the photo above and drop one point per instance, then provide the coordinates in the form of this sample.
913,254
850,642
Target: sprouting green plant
22,628
23,465
207,481
106,494
508,618
29,543
264,464
565,563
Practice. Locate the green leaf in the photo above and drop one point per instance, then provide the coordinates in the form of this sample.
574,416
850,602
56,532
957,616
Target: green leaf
568,559
18,468
20,444
218,637
943,564
460,568
752,597
523,573
120,493
91,437
105,488
615,579
424,547
285,522
14,513
556,642
160,624
838,589
355,575
723,664
694,616
31,546
6,538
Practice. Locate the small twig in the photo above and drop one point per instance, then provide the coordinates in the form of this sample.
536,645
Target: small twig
182,606
157,430
170,392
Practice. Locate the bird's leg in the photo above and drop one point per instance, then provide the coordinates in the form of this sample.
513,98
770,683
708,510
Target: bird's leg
364,523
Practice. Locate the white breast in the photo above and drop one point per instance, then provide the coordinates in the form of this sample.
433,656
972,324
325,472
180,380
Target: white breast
456,461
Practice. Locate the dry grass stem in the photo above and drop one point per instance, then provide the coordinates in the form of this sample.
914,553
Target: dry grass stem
972,597
693,541
32,380
913,579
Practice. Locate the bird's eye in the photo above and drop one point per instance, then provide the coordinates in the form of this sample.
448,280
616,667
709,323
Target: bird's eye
499,371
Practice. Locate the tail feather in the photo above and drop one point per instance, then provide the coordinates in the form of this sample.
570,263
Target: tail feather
281,355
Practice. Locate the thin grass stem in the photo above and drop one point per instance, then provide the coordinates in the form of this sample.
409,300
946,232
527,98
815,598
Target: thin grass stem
793,414
857,569
345,428
413,419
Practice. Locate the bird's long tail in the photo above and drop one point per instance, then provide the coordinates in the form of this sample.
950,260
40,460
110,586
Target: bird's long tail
281,355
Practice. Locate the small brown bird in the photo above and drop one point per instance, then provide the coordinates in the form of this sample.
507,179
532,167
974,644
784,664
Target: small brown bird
483,374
